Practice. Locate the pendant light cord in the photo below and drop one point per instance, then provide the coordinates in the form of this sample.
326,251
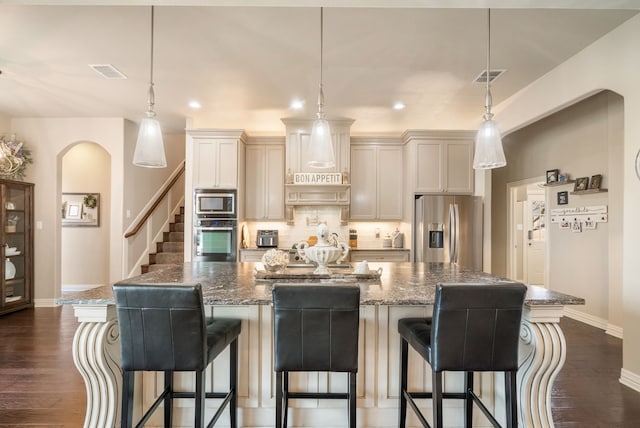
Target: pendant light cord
321,90
488,100
151,96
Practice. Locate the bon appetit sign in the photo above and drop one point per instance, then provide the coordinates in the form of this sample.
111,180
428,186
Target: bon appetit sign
315,178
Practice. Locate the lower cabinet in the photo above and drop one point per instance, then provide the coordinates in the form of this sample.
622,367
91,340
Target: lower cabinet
379,255
251,255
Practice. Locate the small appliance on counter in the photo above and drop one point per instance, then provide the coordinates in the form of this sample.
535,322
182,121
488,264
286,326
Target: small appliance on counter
267,239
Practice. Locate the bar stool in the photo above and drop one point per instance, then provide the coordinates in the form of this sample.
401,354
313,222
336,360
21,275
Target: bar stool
315,329
474,328
163,328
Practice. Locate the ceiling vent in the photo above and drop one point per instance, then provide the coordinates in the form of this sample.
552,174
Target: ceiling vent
493,75
107,71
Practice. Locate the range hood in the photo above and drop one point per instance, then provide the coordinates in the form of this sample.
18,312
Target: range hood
317,194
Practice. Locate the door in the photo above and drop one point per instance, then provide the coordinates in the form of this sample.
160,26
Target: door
535,238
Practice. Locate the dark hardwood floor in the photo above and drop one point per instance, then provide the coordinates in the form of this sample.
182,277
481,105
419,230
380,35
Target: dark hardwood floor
40,386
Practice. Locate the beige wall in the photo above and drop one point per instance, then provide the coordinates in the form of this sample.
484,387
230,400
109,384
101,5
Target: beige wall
609,63
576,141
49,139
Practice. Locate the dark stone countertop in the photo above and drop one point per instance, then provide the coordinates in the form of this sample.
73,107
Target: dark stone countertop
225,283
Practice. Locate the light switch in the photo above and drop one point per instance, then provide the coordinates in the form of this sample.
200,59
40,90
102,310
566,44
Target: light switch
127,213
39,225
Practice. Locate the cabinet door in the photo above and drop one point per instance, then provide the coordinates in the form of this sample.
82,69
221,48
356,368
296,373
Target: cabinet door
16,272
390,194
430,159
255,184
205,153
227,164
459,167
264,198
363,183
274,182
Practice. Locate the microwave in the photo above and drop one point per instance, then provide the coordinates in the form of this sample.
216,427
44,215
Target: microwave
215,203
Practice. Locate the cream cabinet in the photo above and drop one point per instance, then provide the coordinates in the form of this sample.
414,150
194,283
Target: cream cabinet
264,195
442,162
251,254
215,163
376,181
400,255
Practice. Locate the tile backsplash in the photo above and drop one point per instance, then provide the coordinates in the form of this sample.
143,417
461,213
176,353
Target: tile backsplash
307,218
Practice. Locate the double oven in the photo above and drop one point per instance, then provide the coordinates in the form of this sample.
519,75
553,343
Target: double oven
215,225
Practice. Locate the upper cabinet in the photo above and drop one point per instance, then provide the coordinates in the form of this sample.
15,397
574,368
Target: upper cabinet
216,163
442,161
264,196
376,180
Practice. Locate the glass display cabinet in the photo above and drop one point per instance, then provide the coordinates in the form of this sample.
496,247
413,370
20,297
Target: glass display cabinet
16,246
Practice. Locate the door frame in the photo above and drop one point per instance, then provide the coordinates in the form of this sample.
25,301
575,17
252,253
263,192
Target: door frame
511,200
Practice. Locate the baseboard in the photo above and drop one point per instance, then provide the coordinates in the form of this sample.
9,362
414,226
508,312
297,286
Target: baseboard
630,379
44,303
594,321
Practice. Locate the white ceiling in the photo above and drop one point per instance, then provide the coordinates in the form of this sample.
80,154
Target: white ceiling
246,64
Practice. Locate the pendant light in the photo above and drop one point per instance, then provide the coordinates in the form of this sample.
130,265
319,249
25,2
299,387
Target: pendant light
320,146
489,152
149,150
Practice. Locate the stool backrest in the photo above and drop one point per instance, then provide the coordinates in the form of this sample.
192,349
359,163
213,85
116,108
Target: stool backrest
162,327
476,327
316,327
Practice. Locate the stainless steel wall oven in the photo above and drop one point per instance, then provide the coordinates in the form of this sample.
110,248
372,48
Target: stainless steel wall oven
215,225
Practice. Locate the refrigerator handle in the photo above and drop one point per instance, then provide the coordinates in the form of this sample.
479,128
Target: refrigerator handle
452,233
457,231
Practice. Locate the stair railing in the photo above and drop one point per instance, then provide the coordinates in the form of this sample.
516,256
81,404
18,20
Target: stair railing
147,218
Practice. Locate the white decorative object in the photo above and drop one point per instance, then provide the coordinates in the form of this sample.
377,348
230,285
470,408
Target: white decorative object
275,260
9,269
362,267
325,251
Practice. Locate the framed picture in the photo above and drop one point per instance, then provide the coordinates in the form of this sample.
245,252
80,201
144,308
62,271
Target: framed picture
563,198
73,211
582,183
552,176
595,181
81,209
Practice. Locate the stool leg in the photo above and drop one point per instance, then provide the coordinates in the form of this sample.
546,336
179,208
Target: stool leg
404,357
352,400
511,405
278,399
199,411
285,405
126,417
468,401
168,385
436,381
233,373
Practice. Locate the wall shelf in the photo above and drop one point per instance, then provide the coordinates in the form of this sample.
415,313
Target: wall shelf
559,183
588,191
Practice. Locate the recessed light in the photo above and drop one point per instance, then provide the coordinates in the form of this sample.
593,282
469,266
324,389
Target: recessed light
296,105
399,106
195,104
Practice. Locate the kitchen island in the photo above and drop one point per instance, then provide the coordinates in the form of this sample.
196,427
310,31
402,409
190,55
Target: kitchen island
403,290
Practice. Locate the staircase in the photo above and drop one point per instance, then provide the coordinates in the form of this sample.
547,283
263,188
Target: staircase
171,250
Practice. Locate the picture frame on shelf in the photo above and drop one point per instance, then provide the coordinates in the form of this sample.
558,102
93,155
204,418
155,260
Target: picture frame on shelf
81,209
73,211
563,198
552,176
595,182
582,183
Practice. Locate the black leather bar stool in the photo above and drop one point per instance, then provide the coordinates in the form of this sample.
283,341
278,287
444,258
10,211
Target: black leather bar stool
474,328
163,328
315,329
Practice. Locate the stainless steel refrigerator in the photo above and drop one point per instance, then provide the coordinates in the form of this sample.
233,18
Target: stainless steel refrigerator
448,229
